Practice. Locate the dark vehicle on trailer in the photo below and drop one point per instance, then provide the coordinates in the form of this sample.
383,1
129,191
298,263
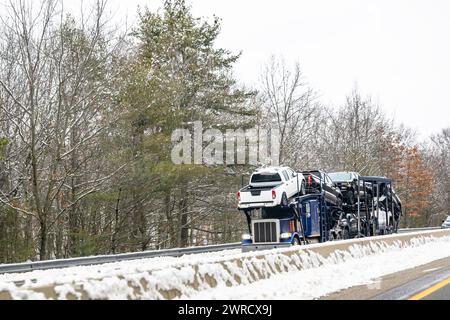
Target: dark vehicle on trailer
316,179
347,182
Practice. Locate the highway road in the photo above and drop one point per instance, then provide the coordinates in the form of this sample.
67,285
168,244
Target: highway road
427,282
439,291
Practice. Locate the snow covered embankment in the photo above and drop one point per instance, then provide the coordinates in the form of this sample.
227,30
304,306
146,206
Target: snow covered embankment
292,273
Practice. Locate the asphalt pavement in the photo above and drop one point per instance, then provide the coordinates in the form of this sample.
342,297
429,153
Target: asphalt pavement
442,293
427,282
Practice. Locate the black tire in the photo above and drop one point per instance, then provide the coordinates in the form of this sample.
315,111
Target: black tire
303,188
331,236
351,198
339,202
345,234
284,200
374,227
295,241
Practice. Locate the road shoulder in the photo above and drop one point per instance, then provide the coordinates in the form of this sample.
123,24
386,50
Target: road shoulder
399,285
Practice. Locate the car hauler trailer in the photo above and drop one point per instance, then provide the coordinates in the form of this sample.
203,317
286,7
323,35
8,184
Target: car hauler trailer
311,219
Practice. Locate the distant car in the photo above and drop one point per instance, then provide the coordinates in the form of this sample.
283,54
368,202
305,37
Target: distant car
314,179
446,223
271,187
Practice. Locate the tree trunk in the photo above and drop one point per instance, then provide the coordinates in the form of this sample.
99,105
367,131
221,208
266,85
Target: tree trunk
184,230
43,241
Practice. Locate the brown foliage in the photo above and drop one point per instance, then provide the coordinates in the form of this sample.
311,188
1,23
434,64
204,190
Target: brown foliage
414,183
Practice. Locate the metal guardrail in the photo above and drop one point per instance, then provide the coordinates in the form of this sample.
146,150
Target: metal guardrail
417,229
95,260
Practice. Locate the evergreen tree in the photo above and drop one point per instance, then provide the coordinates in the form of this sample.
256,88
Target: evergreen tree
177,77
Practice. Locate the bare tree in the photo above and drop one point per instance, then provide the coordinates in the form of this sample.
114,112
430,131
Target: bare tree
437,156
356,137
289,106
57,95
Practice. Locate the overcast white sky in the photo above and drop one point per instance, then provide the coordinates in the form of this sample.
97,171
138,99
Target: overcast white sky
398,51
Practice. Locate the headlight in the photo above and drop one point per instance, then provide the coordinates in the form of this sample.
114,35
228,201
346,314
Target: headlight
246,236
286,235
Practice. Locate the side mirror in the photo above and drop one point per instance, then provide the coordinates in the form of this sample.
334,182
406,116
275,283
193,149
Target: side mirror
295,174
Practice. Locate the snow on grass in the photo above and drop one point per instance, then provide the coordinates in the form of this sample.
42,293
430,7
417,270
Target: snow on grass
276,274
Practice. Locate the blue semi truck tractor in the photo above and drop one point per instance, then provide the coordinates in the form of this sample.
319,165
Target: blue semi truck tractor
303,221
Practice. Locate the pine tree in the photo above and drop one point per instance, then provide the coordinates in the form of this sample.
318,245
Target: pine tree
177,77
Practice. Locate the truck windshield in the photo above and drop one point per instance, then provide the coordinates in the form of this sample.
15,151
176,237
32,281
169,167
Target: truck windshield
340,176
276,213
266,177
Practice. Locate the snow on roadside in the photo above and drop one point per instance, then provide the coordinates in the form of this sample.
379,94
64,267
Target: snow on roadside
50,276
234,275
345,269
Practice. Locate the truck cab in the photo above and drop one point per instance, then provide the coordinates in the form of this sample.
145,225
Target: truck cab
281,227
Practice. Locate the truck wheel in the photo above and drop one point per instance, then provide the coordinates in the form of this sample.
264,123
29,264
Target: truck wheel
351,198
295,242
284,200
332,236
303,189
345,234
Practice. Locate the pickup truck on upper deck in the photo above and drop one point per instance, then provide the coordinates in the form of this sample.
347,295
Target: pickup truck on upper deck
270,187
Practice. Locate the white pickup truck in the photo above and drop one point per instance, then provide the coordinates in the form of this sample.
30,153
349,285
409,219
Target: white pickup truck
270,187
